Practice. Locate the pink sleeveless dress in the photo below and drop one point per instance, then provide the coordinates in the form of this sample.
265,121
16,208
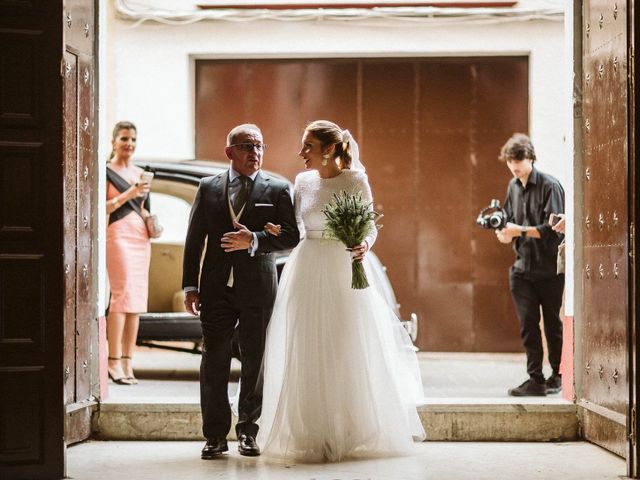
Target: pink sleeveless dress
128,257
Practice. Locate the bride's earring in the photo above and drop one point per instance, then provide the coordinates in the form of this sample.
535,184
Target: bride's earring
325,160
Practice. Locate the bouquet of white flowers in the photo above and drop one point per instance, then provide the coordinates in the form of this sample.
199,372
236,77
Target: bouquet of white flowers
348,220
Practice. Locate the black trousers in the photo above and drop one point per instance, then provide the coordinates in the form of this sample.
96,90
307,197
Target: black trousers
219,321
529,296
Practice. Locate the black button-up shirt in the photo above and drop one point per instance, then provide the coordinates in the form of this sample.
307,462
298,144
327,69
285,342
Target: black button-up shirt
531,206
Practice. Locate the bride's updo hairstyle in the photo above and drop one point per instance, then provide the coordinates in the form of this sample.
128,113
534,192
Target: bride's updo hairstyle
331,134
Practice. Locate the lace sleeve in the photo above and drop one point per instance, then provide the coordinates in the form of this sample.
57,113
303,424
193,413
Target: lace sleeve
297,195
368,197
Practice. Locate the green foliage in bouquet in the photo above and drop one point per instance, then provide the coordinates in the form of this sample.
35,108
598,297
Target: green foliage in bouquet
348,220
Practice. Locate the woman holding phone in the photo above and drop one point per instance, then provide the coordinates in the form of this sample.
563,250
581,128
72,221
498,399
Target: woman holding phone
128,251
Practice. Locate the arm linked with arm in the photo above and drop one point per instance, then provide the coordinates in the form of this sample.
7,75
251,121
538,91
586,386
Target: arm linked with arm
285,217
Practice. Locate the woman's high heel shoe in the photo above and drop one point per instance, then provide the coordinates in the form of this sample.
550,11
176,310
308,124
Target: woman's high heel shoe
119,380
132,379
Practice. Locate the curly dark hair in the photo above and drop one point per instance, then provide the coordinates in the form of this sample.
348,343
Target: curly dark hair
518,147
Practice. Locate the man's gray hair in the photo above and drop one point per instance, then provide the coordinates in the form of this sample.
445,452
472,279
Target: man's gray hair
231,136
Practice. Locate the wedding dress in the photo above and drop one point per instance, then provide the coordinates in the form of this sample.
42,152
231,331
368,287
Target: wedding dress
341,377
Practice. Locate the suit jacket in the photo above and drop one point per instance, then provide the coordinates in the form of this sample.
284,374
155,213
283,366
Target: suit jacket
254,277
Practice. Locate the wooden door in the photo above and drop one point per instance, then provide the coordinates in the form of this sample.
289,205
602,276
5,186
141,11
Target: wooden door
31,241
634,278
603,397
80,221
47,233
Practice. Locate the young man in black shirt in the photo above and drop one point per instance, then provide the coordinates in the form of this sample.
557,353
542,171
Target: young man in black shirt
532,197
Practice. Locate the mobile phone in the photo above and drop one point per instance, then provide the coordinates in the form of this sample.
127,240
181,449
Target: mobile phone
554,219
146,177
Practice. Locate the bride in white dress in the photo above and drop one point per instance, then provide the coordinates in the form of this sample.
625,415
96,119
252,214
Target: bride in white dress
341,378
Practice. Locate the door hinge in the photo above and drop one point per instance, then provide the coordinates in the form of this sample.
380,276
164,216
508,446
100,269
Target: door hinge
631,71
632,242
62,67
632,429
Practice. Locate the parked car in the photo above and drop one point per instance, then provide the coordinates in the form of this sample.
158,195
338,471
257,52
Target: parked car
173,190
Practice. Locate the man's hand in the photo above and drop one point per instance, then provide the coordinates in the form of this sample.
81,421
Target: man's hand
506,234
192,302
358,252
239,240
273,229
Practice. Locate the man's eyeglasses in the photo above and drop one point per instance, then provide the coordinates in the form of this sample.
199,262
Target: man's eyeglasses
247,147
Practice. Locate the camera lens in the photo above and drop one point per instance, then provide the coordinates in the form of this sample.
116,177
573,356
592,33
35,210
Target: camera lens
495,220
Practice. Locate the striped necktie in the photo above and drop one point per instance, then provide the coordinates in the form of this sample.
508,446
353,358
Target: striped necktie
242,194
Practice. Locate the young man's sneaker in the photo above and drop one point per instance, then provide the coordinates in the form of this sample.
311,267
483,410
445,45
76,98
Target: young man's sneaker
530,388
554,384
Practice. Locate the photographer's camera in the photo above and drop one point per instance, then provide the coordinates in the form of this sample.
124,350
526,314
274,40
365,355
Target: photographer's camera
492,216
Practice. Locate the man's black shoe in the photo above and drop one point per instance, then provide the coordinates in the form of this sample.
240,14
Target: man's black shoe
214,448
247,445
553,384
530,388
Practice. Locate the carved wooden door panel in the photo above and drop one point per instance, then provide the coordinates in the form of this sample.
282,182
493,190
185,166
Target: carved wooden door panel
604,396
31,241
47,232
634,298
80,220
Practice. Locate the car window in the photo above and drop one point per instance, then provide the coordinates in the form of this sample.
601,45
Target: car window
173,215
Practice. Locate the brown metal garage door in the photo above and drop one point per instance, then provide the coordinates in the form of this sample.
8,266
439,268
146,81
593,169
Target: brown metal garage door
429,130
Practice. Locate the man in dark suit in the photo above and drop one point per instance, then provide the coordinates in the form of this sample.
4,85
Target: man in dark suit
237,281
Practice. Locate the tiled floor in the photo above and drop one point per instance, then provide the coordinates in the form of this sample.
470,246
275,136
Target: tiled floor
429,461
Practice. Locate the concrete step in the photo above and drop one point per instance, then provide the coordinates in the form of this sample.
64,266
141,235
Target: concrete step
529,420
444,419
466,401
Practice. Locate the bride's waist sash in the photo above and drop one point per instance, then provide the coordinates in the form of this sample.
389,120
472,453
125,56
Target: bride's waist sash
318,235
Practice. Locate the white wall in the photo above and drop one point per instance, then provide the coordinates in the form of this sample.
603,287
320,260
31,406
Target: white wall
151,80
101,115
568,107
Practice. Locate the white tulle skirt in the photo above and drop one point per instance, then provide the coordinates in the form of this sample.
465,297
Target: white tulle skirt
341,377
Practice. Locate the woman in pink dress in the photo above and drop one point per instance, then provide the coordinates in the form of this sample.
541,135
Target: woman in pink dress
128,252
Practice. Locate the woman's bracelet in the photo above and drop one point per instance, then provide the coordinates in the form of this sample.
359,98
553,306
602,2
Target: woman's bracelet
115,202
